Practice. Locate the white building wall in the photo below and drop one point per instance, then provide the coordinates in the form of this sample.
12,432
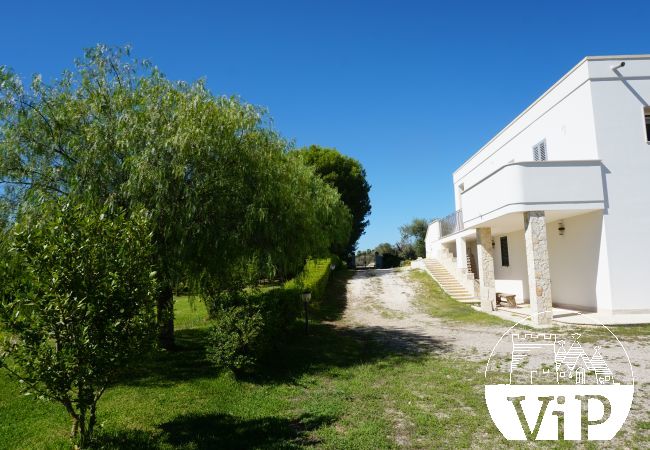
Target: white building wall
574,260
593,113
431,244
563,116
512,279
618,101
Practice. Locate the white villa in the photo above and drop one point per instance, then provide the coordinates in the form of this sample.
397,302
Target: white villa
555,209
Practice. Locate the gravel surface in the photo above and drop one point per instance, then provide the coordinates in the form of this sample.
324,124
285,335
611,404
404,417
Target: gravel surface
384,302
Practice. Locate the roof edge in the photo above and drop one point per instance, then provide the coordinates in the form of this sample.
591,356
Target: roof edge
548,91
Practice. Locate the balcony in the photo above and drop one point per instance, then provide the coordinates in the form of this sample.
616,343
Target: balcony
530,186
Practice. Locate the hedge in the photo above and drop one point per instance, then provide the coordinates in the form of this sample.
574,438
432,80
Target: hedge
248,326
314,277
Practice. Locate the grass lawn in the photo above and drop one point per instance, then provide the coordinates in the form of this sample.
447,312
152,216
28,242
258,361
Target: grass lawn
336,388
436,302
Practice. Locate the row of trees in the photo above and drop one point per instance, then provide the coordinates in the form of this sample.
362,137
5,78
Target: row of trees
201,184
410,246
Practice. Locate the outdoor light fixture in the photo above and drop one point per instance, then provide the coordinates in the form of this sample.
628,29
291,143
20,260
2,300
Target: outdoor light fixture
306,296
493,244
561,228
618,66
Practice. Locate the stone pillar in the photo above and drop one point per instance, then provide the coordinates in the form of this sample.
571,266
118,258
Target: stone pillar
461,254
486,268
539,274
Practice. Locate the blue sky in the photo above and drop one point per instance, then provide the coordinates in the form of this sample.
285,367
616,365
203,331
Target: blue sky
411,89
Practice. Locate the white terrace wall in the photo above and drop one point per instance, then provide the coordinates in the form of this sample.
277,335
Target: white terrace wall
573,257
431,244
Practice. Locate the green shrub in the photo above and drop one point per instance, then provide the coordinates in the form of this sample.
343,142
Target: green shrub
314,277
247,329
77,295
233,337
390,260
248,324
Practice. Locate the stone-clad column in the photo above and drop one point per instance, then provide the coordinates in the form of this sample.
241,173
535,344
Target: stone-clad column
486,268
539,274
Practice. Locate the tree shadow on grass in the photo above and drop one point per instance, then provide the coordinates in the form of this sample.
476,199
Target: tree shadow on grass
332,306
326,346
212,431
186,362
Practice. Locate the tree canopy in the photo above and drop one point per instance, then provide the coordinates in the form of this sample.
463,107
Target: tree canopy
348,176
413,236
216,180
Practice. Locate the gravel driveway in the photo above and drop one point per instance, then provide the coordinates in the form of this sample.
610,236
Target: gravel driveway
385,300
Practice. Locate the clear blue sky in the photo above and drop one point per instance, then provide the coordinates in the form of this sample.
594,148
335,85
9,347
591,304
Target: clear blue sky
411,89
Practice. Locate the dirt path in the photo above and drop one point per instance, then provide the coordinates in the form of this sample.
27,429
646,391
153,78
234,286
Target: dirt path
384,301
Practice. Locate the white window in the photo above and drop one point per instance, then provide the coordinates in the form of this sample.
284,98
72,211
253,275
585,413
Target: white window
539,151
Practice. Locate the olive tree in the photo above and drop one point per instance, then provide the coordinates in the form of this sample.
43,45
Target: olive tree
77,291
413,235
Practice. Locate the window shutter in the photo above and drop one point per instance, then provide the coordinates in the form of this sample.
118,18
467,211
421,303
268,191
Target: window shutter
539,151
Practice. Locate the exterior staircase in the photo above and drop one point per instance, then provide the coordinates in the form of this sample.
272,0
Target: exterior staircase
448,282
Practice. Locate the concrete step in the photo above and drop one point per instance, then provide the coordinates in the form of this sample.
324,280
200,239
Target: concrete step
449,283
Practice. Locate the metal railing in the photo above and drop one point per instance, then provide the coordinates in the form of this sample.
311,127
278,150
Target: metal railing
453,223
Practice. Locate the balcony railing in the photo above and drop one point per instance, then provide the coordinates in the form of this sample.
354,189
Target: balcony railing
453,223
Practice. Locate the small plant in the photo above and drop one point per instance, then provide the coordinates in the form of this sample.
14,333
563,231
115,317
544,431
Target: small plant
234,337
245,331
76,304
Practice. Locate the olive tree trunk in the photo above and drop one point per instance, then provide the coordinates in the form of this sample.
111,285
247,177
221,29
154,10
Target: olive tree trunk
165,312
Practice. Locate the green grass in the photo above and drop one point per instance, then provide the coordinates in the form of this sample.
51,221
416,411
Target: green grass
433,300
335,388
436,302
